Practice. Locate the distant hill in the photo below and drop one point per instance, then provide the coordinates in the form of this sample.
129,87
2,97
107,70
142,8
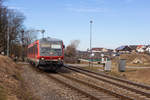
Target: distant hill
133,58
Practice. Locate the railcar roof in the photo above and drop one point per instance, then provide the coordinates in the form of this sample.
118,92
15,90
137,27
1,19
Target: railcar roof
49,39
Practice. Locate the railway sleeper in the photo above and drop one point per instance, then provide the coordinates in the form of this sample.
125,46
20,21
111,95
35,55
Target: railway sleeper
147,94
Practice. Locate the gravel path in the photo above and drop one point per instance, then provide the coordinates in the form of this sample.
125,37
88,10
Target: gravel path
45,88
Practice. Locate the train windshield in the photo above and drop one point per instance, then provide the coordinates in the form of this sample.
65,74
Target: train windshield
56,46
51,49
45,45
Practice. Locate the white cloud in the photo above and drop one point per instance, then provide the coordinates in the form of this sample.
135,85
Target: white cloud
91,10
12,7
17,8
92,6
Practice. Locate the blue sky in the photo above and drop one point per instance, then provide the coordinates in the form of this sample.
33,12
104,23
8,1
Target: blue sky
115,22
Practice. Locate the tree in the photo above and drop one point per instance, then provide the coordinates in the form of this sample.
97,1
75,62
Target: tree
11,24
71,51
30,35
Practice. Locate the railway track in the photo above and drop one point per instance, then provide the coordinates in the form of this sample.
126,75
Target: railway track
83,90
134,91
93,90
88,91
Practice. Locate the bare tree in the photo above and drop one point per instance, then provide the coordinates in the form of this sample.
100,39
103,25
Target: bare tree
71,51
1,1
11,22
15,26
3,28
30,35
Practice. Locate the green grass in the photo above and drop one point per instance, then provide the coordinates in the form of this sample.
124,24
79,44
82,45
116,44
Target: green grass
3,95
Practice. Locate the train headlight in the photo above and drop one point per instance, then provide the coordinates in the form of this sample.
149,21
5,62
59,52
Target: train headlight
59,58
42,58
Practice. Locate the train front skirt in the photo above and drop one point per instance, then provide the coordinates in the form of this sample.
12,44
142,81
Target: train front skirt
50,65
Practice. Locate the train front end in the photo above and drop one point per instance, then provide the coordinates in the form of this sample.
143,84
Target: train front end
51,53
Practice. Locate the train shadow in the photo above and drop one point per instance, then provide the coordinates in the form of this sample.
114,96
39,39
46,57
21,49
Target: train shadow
45,70
61,70
64,70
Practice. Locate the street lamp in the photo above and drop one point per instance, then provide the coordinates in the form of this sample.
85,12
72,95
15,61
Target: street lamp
90,42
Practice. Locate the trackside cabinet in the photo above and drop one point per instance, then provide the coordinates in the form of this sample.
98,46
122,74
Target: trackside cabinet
107,66
122,65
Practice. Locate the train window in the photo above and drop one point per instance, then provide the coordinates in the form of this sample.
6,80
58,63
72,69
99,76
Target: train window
45,45
32,51
56,46
36,49
29,51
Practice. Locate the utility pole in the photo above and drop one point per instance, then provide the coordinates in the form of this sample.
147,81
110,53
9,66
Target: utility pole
8,33
23,45
8,40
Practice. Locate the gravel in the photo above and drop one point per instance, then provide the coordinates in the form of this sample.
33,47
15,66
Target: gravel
107,85
45,88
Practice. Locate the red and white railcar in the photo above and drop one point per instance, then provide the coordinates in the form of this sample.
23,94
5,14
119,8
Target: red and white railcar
46,52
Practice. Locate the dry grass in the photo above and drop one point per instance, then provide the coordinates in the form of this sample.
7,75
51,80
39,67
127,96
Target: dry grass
12,86
2,94
144,58
133,74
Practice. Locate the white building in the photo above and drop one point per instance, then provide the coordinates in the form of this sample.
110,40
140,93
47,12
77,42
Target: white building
148,49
